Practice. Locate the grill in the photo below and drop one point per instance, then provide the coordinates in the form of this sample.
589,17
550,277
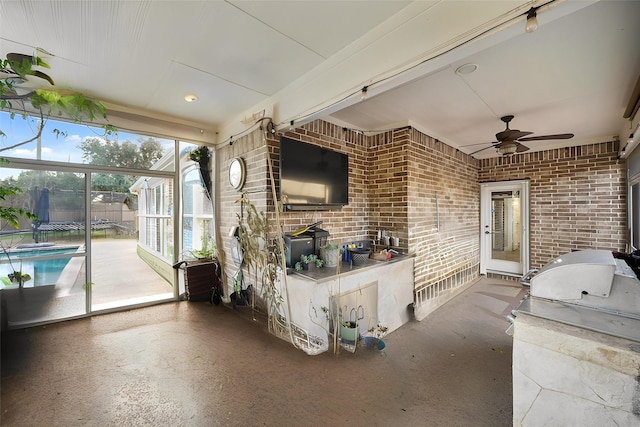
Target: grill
591,289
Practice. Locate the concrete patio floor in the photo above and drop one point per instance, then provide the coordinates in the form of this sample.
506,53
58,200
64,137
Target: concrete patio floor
119,275
193,364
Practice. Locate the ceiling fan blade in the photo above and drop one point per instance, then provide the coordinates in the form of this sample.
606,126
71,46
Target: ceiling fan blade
511,135
482,149
522,148
545,137
478,143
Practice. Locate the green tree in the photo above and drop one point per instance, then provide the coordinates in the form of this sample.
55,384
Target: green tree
68,181
125,154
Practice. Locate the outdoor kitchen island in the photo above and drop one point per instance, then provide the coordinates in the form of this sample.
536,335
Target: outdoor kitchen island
377,292
576,344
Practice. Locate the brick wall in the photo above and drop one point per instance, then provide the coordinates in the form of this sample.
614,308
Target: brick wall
427,194
443,217
351,222
252,150
393,179
346,224
578,197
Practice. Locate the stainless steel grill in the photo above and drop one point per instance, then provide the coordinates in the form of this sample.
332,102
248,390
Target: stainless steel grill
590,289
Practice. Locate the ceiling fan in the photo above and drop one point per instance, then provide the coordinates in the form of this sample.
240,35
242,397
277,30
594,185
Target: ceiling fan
509,141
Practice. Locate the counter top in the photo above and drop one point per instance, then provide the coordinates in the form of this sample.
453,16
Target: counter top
327,273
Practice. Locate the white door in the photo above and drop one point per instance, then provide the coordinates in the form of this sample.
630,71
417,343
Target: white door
504,227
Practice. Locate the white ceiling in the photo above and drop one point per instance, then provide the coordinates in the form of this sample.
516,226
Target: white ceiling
302,60
575,74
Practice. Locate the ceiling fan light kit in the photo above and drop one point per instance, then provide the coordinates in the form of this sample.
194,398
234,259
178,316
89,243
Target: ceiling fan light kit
509,141
507,148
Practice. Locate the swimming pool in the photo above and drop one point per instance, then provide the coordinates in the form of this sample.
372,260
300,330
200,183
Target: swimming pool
42,271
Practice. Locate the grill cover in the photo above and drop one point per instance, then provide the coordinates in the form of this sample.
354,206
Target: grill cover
570,276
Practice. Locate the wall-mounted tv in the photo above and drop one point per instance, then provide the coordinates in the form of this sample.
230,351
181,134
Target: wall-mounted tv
312,177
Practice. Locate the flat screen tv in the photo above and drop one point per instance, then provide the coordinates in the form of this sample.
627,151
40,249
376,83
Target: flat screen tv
312,177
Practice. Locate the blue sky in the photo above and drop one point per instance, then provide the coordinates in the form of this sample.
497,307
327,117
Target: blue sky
62,148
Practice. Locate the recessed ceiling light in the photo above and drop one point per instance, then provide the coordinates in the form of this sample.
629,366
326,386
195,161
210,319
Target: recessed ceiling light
190,97
466,69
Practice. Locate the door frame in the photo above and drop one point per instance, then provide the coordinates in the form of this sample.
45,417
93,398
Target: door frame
487,264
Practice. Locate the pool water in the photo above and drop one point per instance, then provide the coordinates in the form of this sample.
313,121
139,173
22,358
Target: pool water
43,272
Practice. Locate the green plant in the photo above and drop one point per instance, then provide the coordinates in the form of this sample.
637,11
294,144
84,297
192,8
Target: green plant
9,214
16,276
208,250
311,259
16,69
377,331
202,156
19,277
46,102
260,250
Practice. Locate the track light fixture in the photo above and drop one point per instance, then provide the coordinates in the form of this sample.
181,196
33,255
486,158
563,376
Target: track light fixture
364,92
532,20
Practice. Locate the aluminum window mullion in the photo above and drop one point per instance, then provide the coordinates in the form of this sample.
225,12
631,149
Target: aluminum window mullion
16,163
87,240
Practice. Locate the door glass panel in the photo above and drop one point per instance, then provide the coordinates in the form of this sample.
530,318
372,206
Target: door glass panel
505,225
197,229
48,252
126,270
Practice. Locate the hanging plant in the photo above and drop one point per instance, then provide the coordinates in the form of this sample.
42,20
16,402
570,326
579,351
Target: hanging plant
202,156
19,68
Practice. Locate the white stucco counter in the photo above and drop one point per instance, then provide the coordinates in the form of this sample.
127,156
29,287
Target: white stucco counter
568,376
379,292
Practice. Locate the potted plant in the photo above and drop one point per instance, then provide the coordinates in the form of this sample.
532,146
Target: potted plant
330,253
309,262
208,252
373,340
349,331
201,270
